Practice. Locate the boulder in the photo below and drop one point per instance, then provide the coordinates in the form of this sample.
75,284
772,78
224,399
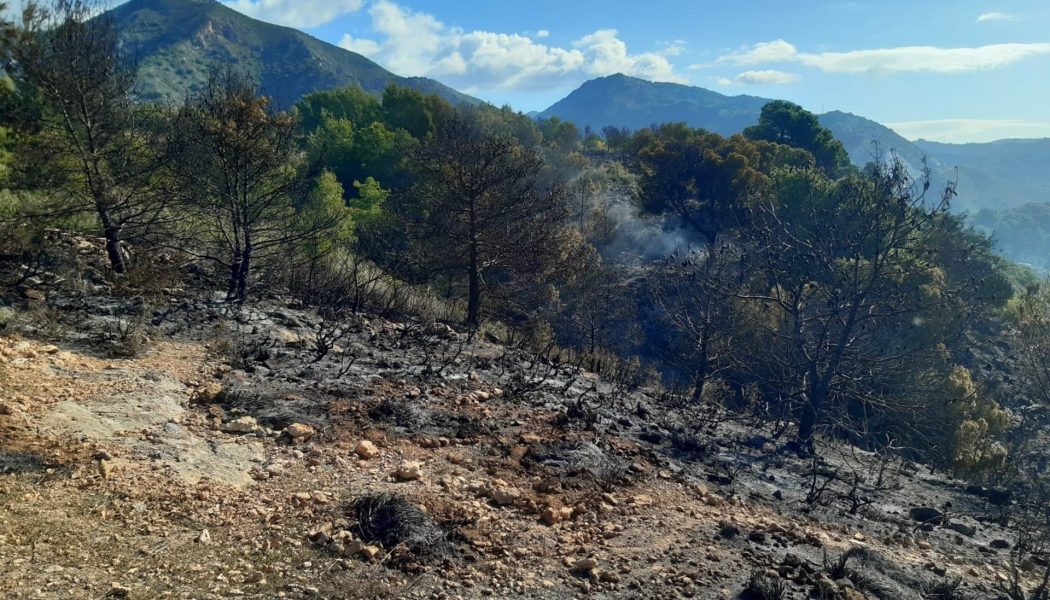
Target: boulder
963,529
208,394
241,425
409,470
927,514
586,564
299,432
366,450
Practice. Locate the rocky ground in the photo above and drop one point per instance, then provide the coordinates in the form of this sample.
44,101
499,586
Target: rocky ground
213,453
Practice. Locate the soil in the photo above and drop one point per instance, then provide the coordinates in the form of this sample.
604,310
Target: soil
222,461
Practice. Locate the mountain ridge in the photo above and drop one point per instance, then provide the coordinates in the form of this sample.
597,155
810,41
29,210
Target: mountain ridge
988,174
177,43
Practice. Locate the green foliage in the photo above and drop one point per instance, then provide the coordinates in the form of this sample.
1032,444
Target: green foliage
356,137
704,179
978,421
6,155
350,103
325,205
408,110
370,198
1022,233
786,123
357,152
502,121
559,134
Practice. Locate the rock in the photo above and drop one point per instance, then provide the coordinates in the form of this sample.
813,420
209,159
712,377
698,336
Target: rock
35,295
366,550
299,432
204,537
287,338
963,528
1000,544
409,470
370,552
241,425
642,500
927,514
504,496
366,450
585,564
117,590
208,394
728,530
553,516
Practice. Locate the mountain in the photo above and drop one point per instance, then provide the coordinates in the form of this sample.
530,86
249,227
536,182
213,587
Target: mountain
176,43
1016,170
1007,174
622,101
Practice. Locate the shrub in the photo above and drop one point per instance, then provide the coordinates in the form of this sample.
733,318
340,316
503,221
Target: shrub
395,522
761,586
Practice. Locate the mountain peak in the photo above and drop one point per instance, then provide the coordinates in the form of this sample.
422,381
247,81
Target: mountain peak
177,43
623,101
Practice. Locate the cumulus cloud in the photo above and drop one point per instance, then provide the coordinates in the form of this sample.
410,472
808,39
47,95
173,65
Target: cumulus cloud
296,13
417,43
929,59
764,77
970,130
996,16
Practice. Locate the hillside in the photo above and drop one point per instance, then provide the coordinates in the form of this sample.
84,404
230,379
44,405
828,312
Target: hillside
622,101
1011,172
221,459
990,175
178,42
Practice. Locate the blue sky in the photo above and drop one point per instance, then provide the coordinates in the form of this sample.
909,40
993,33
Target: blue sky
949,70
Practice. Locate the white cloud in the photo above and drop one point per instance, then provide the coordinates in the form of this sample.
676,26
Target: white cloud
996,16
915,59
296,13
543,33
766,77
960,131
672,48
360,45
417,43
764,52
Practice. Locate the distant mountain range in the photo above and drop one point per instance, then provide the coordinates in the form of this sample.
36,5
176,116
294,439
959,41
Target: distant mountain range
176,44
1003,174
